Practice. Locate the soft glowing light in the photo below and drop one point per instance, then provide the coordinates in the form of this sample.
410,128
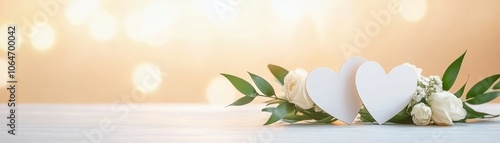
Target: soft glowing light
103,26
158,39
147,77
43,38
132,22
158,16
331,18
4,41
218,11
3,68
199,46
413,10
289,9
151,26
157,19
220,92
77,11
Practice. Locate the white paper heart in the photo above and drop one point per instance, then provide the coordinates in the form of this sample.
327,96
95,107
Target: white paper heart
336,93
385,95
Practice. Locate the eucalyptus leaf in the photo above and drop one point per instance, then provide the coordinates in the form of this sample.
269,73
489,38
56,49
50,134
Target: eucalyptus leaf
273,118
491,116
497,86
473,114
402,118
311,113
280,112
483,98
482,86
293,118
326,120
269,109
460,92
278,72
365,115
241,85
451,73
242,101
460,121
262,84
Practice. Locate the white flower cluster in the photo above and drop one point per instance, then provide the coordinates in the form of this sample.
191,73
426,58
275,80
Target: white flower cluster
430,104
427,86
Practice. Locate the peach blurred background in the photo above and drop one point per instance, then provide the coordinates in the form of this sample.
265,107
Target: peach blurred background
104,51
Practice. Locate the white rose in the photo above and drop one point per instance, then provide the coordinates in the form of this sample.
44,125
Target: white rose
415,68
421,114
446,108
295,89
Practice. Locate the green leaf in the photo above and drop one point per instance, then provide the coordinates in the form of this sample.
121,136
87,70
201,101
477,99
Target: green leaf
473,114
262,84
451,73
326,120
274,101
460,92
242,101
402,118
273,118
482,86
497,86
311,113
269,109
460,121
243,86
490,116
278,72
483,98
292,118
280,112
365,116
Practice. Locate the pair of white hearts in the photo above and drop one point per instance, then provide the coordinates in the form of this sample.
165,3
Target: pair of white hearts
362,82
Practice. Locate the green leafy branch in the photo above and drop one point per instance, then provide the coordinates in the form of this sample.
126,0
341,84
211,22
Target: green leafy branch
284,111
482,92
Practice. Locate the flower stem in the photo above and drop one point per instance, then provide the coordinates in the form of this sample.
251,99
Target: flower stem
275,97
467,99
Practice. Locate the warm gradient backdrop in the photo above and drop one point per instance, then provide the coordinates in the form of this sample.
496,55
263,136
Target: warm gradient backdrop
103,51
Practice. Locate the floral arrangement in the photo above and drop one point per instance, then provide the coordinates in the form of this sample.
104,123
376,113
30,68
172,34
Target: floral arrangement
432,102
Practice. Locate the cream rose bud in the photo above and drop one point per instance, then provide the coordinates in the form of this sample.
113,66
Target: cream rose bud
446,108
421,114
295,89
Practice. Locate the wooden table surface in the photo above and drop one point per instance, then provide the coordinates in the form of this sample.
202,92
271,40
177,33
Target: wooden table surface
165,123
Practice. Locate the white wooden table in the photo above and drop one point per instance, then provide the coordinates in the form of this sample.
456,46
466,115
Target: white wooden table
167,123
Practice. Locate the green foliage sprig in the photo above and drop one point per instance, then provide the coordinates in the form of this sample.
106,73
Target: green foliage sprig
280,108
